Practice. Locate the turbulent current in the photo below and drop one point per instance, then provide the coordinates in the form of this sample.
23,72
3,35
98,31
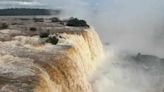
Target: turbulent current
27,64
77,63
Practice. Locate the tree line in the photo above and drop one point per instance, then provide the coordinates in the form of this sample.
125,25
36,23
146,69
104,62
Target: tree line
27,11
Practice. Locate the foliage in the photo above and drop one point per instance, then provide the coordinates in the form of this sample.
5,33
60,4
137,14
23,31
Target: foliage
53,40
27,11
33,29
4,26
77,22
44,34
38,20
55,19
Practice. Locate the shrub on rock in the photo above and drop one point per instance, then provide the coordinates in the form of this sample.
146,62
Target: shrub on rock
4,26
38,19
77,23
44,34
55,19
53,40
33,29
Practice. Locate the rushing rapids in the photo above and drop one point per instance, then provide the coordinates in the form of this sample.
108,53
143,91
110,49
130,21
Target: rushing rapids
27,64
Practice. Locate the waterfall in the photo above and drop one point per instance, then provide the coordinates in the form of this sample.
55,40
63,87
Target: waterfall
64,67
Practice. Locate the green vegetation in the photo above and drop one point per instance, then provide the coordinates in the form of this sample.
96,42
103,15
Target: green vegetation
77,23
33,29
38,19
53,40
50,39
55,19
4,26
28,11
44,34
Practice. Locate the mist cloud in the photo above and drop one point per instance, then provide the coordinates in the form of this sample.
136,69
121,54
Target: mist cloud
136,25
128,25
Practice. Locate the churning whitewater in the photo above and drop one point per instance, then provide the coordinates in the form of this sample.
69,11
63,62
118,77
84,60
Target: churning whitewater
30,65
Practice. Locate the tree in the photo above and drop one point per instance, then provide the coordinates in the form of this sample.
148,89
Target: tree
4,26
53,40
38,20
77,22
44,34
55,19
33,29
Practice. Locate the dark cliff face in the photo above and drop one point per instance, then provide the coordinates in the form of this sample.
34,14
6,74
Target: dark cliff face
28,12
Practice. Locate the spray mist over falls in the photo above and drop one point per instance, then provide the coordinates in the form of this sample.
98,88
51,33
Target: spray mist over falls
134,26
129,26
122,72
31,66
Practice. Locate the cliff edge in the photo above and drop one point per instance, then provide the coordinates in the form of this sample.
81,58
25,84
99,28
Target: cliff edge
31,63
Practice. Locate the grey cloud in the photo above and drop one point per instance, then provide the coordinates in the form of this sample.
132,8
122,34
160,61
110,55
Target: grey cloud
19,0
